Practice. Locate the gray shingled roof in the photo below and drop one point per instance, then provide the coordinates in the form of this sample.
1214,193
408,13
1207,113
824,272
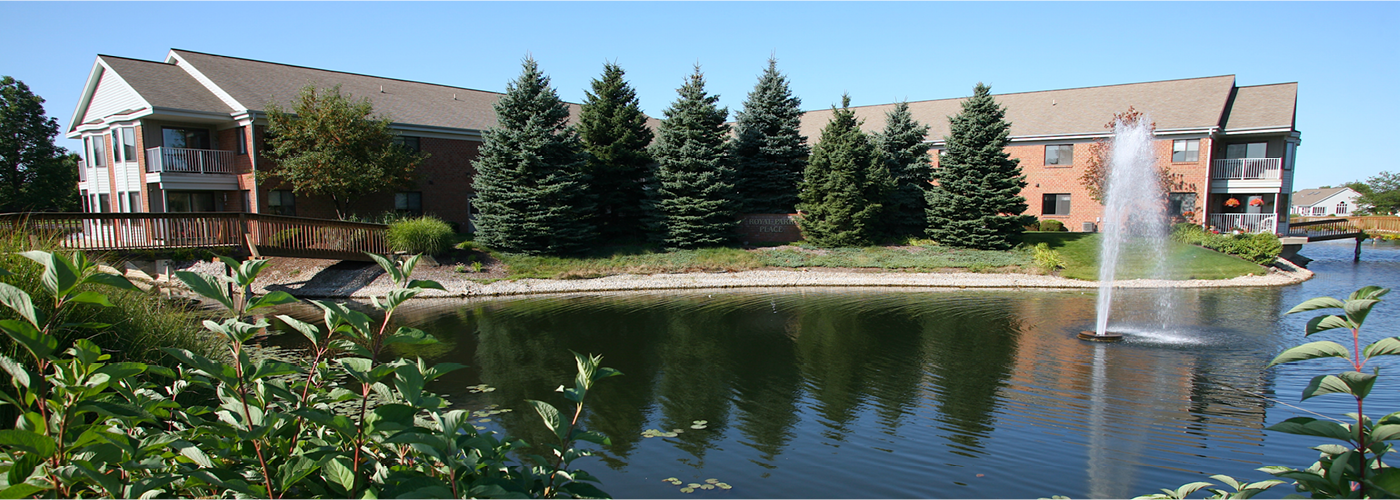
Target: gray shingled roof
165,85
1263,106
1172,104
256,83
1309,197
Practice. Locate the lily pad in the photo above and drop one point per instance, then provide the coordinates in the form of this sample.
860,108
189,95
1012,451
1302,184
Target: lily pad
707,486
712,481
693,485
723,486
687,490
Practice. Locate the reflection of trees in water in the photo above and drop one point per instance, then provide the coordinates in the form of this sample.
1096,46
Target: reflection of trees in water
765,385
972,342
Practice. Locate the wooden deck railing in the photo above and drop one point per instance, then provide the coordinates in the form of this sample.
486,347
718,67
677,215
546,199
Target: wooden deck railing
271,235
1388,223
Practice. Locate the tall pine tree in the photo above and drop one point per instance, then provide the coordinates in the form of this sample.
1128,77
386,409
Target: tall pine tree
978,202
844,184
615,133
769,152
906,158
694,196
530,182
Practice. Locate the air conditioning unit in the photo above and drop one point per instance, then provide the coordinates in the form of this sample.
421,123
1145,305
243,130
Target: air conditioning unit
1089,227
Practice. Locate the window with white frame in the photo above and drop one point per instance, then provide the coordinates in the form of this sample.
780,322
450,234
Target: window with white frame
99,150
1054,204
1186,150
128,143
1059,154
1342,208
1319,210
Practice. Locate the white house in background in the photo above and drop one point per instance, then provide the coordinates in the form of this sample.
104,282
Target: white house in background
1325,202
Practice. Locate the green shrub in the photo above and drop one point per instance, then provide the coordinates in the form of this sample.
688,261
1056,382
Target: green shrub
1259,248
1052,225
425,235
1047,259
1034,226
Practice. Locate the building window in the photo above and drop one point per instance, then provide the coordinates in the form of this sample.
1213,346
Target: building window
281,202
1054,204
104,203
192,138
409,203
242,140
1342,208
1319,210
99,150
117,149
1251,150
407,142
1184,150
129,143
1178,204
87,206
1059,154
134,198
189,201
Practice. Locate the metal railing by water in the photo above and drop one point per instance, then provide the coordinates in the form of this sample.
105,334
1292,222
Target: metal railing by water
1246,169
1248,223
189,161
271,235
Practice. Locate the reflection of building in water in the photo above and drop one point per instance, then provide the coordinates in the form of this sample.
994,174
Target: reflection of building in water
1128,399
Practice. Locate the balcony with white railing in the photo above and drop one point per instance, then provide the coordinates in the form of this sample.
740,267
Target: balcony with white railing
189,161
1246,223
1247,169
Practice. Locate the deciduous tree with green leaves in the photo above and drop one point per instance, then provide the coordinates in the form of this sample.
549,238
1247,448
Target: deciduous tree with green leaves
35,174
770,153
615,134
905,155
844,186
1380,194
978,202
531,176
330,144
694,198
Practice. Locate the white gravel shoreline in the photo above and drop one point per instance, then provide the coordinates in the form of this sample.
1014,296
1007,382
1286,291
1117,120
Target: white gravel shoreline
1284,274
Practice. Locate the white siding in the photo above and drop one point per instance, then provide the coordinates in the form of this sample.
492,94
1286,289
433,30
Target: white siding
112,95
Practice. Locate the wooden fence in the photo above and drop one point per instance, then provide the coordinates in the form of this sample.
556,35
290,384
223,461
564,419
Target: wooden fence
1387,223
258,234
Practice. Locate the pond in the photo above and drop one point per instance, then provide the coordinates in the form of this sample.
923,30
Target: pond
890,393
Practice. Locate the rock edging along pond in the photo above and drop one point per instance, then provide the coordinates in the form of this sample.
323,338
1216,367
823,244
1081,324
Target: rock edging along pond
365,284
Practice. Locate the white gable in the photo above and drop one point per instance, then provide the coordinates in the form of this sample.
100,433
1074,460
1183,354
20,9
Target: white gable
112,96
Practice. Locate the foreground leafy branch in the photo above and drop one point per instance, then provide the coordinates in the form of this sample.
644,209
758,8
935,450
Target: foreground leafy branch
354,427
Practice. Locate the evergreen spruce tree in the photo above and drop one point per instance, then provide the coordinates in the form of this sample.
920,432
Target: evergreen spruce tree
614,131
769,152
35,174
530,182
844,184
694,196
906,159
978,202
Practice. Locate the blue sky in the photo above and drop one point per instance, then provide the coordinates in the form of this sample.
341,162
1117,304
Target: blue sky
1344,56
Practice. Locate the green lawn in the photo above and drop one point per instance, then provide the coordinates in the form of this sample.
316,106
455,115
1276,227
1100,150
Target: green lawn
1081,254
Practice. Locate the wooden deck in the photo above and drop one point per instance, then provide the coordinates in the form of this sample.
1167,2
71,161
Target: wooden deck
1326,229
255,234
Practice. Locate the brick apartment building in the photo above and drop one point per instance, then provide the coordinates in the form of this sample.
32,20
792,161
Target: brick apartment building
1223,143
184,134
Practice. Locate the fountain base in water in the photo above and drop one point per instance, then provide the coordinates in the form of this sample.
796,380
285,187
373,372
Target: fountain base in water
1093,336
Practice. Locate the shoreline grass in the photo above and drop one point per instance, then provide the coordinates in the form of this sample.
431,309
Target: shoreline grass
1081,255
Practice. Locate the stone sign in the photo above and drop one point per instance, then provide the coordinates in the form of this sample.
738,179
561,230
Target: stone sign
780,228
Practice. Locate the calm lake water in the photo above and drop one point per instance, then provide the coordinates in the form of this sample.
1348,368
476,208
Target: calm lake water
886,393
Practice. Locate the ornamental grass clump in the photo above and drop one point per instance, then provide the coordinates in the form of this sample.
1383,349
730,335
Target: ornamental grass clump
421,235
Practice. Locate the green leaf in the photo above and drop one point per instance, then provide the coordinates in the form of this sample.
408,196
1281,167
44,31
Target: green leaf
308,330
1354,383
337,471
388,266
275,298
1385,432
22,490
583,490
1388,346
59,275
19,301
40,344
390,417
1324,323
1368,292
16,370
119,371
293,471
426,284
1358,309
1312,350
208,286
23,468
28,441
223,372
90,298
1308,426
270,368
110,481
111,280
593,437
1387,480
1317,303
412,336
551,418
